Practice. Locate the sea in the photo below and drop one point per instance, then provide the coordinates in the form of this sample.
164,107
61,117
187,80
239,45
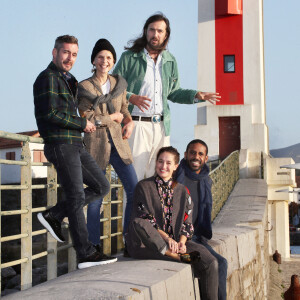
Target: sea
295,249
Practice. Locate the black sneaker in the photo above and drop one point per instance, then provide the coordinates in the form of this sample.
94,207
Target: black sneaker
125,251
51,224
95,259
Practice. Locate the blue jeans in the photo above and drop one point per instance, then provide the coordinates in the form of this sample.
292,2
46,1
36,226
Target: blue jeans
75,167
222,266
129,180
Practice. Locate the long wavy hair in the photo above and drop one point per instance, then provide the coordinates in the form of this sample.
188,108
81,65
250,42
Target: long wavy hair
140,43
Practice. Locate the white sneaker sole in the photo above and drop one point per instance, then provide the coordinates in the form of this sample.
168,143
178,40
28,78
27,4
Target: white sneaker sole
96,263
48,227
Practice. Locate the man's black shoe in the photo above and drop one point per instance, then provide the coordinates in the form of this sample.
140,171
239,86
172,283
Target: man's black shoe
95,259
99,248
51,224
125,251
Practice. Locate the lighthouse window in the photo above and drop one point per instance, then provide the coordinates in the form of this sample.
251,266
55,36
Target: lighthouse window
229,63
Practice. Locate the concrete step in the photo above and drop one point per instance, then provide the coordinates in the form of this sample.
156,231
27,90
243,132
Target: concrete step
126,279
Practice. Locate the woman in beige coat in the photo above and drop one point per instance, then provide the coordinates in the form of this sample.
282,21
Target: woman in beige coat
102,100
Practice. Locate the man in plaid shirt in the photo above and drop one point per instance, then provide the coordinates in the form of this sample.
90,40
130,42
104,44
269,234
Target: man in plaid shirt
55,100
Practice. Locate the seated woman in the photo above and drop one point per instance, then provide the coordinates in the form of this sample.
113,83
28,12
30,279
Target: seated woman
161,224
102,100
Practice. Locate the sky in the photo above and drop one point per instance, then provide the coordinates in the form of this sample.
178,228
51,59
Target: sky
29,28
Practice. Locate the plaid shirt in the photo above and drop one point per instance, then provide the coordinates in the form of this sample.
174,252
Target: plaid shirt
55,101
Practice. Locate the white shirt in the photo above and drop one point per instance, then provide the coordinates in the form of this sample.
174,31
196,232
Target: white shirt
152,88
105,87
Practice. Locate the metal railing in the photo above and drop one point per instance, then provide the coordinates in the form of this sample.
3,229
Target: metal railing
26,210
224,178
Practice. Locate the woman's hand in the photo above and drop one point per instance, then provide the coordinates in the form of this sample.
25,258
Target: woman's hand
173,245
117,117
181,248
127,130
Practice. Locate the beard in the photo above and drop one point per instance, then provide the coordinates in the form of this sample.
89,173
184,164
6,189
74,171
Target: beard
157,47
197,167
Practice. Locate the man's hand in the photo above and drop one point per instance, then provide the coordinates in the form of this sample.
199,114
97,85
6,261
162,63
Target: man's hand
210,97
90,127
127,130
140,101
117,117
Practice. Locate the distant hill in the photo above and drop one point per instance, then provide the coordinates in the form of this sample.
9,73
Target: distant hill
291,151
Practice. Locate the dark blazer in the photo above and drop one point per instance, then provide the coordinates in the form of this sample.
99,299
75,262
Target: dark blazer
146,194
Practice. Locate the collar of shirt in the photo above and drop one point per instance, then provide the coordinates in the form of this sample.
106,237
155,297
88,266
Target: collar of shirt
151,87
67,76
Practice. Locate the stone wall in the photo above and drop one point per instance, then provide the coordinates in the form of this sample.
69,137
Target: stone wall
240,235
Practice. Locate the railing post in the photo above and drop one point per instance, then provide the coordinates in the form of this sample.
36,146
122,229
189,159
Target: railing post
120,244
107,217
51,242
26,219
72,260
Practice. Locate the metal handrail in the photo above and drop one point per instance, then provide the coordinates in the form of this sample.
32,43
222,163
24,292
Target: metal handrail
26,211
224,178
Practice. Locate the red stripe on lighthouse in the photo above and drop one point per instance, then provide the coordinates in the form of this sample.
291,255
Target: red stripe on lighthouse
229,41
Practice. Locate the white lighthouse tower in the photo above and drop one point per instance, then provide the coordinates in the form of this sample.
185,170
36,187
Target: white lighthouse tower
231,62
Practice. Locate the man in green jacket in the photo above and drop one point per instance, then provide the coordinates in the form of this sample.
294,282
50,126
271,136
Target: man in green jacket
152,76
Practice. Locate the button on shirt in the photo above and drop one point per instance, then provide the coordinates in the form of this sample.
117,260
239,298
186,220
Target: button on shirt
152,88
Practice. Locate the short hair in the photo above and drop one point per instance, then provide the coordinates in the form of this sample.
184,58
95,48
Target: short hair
140,43
171,150
197,141
69,39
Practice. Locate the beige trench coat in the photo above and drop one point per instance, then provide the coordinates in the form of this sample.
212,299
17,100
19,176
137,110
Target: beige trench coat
97,143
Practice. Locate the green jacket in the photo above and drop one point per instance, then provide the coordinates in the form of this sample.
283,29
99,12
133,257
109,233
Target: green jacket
132,66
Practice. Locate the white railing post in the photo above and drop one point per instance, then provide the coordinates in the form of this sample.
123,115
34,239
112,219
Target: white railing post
51,242
26,219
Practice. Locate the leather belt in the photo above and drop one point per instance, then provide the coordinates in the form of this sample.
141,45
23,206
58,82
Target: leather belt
153,119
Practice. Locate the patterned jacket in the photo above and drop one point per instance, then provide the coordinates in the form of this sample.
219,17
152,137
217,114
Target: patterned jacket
132,66
97,143
55,101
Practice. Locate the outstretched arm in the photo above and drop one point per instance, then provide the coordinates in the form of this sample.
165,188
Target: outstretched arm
208,96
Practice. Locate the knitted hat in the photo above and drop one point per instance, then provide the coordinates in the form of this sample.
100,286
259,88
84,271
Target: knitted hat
103,44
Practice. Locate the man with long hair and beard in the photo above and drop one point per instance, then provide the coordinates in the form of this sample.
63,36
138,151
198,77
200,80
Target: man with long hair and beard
152,75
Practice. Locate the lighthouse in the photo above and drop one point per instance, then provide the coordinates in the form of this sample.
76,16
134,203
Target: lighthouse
231,62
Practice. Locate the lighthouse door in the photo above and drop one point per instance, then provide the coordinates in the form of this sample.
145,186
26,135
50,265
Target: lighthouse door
229,135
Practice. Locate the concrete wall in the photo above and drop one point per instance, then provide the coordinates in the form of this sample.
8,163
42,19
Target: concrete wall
240,234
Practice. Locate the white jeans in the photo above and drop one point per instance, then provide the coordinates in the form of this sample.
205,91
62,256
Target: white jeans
145,141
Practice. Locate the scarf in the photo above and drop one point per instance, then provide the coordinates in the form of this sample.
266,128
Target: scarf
165,191
119,88
203,226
